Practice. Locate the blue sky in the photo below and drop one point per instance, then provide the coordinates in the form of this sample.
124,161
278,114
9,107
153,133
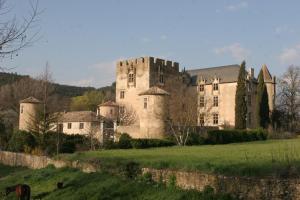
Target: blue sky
81,39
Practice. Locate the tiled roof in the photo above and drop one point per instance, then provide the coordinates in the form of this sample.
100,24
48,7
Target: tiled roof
154,91
78,116
226,74
30,100
109,103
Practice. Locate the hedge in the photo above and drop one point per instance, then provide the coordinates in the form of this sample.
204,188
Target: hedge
231,136
148,143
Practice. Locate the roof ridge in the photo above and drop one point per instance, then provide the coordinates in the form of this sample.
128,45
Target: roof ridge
208,68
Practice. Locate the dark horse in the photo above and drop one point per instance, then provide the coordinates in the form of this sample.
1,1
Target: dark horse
22,191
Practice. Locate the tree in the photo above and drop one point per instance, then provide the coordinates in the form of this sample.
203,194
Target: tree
13,34
127,116
88,101
240,99
262,101
289,97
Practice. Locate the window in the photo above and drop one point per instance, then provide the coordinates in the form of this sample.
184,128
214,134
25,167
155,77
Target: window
215,118
131,78
122,110
249,118
201,88
145,103
122,94
81,125
216,101
215,86
69,125
111,111
201,119
22,109
249,100
201,101
60,128
161,78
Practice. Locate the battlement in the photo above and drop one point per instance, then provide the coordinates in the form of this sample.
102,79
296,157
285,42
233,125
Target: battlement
151,61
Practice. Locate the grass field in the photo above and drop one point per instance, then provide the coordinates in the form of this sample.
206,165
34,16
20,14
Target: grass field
263,158
100,186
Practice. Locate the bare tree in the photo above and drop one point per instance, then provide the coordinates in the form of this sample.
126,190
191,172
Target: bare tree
289,96
14,34
127,116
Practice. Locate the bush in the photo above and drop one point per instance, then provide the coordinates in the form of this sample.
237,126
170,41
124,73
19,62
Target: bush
21,140
195,139
231,136
125,141
147,143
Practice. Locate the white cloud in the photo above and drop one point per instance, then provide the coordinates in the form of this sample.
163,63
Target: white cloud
145,40
163,37
290,55
83,82
235,50
238,6
283,29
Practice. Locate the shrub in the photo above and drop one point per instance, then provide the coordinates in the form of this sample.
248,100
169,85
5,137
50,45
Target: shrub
147,143
131,170
195,139
125,141
230,136
20,141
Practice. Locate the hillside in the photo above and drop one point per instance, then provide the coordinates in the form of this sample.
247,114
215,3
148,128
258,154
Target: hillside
92,186
60,89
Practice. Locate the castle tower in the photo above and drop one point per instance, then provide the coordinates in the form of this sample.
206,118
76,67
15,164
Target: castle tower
28,113
270,83
109,110
154,113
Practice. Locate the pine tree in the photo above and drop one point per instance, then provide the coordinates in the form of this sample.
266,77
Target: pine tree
262,107
240,99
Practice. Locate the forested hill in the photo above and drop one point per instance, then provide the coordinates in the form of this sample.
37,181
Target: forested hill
9,78
63,90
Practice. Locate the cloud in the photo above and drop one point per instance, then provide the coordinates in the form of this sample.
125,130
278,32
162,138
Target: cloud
163,37
238,6
83,82
145,40
235,50
283,29
290,55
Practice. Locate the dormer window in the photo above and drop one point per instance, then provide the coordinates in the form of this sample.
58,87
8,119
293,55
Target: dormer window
215,86
201,88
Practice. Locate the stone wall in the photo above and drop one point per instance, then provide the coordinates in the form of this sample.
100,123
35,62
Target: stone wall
38,162
240,187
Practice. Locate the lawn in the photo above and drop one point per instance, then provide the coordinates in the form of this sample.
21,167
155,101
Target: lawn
100,186
263,158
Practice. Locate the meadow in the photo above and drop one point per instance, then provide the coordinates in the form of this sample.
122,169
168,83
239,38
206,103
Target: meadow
100,186
261,158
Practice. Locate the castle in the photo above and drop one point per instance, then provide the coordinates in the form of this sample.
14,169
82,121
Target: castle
151,91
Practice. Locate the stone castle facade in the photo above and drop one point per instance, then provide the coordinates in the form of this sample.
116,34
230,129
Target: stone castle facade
148,85
151,91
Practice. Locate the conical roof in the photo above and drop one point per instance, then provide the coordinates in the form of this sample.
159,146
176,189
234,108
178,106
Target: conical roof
30,100
154,91
266,73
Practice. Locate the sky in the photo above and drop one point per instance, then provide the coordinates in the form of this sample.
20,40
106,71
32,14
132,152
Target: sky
82,39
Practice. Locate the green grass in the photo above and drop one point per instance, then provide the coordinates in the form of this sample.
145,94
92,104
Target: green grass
6,170
263,158
101,186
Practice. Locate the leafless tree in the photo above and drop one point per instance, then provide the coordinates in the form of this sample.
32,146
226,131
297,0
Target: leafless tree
15,34
289,96
127,116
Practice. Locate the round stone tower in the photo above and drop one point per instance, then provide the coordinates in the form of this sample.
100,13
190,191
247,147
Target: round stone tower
29,109
154,113
108,110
